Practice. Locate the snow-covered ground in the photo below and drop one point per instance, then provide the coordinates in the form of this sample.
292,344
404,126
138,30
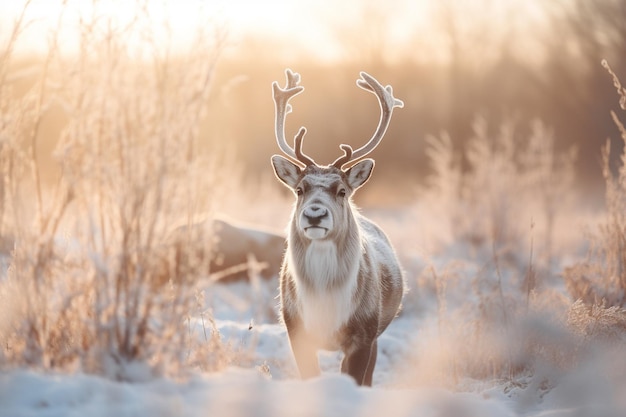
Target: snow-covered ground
264,384
233,393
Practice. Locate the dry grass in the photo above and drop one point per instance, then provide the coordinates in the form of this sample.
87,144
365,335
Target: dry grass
601,279
82,260
513,181
80,289
505,214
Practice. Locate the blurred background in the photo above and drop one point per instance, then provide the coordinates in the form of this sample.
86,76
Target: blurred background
454,63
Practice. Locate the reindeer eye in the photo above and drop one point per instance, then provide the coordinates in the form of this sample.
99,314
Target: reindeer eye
341,192
299,191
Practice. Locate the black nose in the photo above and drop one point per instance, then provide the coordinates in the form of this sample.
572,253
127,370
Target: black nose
314,214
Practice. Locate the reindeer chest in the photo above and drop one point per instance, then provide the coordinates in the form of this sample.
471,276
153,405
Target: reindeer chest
323,314
325,291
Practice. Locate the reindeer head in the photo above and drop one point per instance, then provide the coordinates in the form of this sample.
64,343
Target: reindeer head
323,192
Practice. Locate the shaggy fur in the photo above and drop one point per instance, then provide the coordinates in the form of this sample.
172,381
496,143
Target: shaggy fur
341,285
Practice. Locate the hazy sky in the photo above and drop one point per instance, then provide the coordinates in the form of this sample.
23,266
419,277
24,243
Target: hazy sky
320,28
303,22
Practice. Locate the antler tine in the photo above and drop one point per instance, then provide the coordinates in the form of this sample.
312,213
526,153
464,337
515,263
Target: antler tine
387,103
283,108
347,155
300,156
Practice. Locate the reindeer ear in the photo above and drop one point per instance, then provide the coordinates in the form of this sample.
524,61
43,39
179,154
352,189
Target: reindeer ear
359,173
286,171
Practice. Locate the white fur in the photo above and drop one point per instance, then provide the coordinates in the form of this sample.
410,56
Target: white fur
325,311
325,248
321,262
323,314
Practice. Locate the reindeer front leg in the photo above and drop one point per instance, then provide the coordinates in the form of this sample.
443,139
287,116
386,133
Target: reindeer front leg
359,363
360,349
303,347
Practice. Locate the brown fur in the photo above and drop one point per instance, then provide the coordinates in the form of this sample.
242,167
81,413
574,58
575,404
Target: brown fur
340,284
365,290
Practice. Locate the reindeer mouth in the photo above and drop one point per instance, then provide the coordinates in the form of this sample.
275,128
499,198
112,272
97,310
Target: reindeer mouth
315,232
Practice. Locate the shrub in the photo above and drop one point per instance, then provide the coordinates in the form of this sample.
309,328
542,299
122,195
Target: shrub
601,278
488,328
82,288
514,181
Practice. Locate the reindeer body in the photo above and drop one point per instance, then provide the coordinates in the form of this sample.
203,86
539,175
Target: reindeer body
340,283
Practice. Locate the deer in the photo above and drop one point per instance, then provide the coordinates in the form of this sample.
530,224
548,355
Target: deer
340,283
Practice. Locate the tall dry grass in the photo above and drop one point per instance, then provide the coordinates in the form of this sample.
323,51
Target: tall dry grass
601,278
496,274
510,180
81,287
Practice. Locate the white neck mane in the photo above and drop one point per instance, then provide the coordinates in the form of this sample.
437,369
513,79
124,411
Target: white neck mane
325,310
324,265
321,264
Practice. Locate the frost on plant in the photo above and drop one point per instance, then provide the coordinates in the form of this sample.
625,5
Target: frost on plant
93,281
601,279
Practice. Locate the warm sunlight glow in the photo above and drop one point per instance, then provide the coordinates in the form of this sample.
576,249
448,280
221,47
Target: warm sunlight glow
314,28
325,29
177,20
152,261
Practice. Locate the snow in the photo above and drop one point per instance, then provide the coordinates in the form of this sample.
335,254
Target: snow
263,382
236,392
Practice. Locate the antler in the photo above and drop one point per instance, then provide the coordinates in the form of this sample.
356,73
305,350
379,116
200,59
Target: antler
387,103
347,156
283,108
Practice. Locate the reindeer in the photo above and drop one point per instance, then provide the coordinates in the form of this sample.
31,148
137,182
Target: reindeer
340,283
